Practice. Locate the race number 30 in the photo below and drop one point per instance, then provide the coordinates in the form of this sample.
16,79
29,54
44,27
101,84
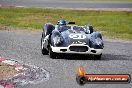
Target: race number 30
77,36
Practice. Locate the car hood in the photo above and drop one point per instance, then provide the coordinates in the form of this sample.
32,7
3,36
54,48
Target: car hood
75,38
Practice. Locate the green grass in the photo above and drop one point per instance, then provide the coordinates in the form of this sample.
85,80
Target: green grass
113,24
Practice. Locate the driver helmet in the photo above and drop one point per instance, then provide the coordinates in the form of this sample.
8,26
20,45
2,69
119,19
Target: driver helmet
61,22
61,25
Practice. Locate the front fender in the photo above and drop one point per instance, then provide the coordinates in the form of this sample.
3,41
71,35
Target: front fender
56,36
96,40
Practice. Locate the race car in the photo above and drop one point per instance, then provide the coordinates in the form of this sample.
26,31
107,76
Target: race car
66,37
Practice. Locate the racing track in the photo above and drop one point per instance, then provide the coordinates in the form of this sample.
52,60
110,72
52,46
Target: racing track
24,46
66,4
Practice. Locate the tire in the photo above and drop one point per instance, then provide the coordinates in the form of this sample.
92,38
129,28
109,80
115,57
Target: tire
43,35
43,50
81,80
97,57
52,54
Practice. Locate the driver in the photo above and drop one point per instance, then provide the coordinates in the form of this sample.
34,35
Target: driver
61,25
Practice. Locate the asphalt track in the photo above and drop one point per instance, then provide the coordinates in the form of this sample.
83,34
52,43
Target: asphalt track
24,46
66,4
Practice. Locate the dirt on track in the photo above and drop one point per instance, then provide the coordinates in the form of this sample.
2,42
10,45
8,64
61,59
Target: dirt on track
7,71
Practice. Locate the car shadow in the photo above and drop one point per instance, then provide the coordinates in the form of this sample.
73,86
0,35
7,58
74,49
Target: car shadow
104,57
115,57
75,57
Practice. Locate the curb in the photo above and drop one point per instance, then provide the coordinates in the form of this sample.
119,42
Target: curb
18,67
27,74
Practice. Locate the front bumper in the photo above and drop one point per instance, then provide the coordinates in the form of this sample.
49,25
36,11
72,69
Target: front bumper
68,50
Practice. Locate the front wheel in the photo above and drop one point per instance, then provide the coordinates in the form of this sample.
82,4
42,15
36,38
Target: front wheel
97,57
43,50
52,54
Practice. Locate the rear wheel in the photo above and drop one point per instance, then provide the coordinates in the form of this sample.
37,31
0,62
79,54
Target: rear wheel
97,57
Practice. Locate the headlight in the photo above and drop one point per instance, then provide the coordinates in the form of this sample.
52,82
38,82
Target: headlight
99,41
58,40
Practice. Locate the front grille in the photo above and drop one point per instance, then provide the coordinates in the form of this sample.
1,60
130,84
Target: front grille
79,48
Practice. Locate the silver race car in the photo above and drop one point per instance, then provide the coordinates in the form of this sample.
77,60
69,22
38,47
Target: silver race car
70,38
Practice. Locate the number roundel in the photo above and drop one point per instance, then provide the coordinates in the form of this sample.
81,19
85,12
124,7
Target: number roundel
77,36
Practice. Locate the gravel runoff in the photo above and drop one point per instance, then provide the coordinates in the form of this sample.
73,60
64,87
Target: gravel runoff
24,46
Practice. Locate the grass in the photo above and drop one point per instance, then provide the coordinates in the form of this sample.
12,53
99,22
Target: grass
113,24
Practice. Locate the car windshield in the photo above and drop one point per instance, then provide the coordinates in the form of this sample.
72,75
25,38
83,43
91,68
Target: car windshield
79,29
64,27
74,29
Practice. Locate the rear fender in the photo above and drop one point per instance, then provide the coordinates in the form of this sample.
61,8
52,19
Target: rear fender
96,35
48,28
